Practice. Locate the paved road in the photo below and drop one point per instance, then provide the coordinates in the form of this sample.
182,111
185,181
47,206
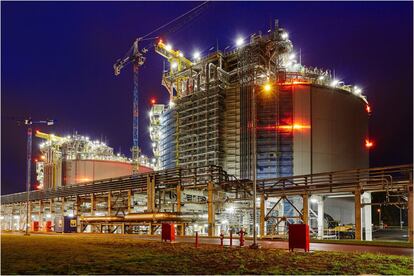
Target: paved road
268,244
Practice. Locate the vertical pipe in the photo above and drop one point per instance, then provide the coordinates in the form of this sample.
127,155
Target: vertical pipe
358,235
210,203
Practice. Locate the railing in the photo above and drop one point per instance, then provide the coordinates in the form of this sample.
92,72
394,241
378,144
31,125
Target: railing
375,179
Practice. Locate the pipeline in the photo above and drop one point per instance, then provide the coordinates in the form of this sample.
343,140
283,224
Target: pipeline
142,217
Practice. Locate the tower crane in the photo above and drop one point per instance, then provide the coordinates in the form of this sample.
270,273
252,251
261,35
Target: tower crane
135,56
29,123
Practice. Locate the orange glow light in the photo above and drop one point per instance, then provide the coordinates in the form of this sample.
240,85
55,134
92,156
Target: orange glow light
153,101
368,109
43,157
368,144
294,127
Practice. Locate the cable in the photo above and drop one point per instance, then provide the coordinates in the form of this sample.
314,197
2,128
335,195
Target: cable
175,19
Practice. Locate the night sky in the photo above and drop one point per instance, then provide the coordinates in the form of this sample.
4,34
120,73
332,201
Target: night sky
57,63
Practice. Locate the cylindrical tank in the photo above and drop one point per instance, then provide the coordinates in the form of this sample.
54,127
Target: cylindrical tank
78,171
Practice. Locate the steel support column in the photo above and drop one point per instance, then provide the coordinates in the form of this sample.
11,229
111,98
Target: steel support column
321,220
358,232
305,212
367,217
150,193
262,215
93,204
129,201
210,203
109,203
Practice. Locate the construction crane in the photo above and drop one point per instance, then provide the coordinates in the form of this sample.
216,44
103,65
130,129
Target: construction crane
29,122
136,57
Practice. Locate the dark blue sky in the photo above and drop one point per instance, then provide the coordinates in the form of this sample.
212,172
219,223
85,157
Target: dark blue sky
57,63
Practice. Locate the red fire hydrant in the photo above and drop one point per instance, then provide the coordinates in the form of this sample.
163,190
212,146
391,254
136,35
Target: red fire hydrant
241,233
221,239
196,239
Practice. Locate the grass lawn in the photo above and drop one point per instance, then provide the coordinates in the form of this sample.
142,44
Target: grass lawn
104,254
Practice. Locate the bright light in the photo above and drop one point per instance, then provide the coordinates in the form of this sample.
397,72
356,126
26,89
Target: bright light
368,108
321,77
16,216
239,41
153,101
171,104
313,200
267,87
150,129
1,217
369,144
42,157
292,56
150,113
196,55
71,215
180,54
153,160
230,210
225,221
285,35
48,215
168,47
379,210
174,65
357,90
334,83
205,225
153,145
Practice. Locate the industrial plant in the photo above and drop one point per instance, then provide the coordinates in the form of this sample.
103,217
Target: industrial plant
248,132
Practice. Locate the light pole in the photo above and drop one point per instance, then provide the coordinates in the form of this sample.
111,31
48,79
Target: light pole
29,122
379,216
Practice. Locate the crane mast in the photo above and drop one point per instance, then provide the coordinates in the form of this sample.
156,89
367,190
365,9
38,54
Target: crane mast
136,57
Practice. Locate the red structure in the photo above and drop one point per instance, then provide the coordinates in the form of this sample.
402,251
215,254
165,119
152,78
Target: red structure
241,237
168,232
48,226
299,236
35,226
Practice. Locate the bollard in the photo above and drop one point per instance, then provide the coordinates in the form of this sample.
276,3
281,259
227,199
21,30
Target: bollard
231,238
241,237
221,239
196,241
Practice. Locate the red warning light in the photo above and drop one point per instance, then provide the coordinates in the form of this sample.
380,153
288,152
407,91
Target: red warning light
368,109
153,101
368,143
